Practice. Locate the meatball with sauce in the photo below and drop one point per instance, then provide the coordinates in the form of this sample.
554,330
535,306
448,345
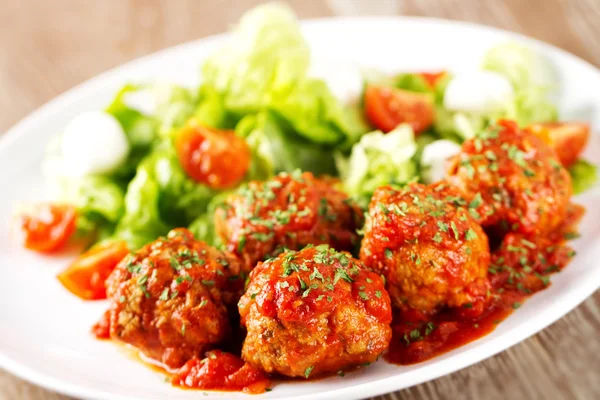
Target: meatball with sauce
169,299
313,312
430,250
288,211
514,179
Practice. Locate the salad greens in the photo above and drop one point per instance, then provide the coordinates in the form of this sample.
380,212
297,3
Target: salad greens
378,159
531,79
258,86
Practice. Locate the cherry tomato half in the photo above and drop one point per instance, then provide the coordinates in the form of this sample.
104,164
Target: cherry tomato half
568,139
217,158
47,227
86,276
387,107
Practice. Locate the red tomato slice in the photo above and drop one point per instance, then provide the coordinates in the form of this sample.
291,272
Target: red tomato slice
85,277
433,77
217,158
568,139
386,108
47,227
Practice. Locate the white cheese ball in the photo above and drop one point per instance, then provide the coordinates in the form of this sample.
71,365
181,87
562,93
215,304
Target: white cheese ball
434,157
93,143
478,92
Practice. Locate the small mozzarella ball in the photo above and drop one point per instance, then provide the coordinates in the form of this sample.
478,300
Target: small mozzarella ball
93,143
434,157
478,91
343,78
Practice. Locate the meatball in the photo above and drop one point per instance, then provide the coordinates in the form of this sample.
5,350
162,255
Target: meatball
513,179
431,251
312,312
169,299
289,211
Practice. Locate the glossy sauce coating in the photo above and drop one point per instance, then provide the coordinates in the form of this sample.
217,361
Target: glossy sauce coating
312,312
515,178
430,249
169,299
288,211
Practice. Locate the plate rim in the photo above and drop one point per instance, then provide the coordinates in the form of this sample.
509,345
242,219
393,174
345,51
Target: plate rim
373,388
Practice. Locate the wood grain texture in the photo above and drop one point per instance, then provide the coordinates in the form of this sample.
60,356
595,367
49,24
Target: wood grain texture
47,47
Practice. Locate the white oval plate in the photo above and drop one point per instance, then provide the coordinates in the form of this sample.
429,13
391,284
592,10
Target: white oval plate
44,330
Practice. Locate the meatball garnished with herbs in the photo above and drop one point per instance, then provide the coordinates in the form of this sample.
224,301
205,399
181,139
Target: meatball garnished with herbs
288,211
169,299
429,248
313,312
514,178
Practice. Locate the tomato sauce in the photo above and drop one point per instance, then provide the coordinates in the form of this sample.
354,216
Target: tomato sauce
520,266
221,371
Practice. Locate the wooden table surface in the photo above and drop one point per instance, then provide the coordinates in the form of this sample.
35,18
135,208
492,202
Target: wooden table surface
47,47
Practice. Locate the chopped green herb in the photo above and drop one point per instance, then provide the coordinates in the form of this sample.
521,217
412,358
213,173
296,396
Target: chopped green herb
316,274
241,244
443,226
302,284
388,254
454,230
164,295
308,370
571,235
341,273
470,235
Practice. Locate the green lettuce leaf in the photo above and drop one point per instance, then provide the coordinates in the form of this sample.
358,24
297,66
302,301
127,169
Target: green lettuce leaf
160,197
99,202
266,55
203,227
174,106
584,175
141,131
532,79
211,110
460,126
378,159
264,67
141,222
96,197
181,199
276,148
412,82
